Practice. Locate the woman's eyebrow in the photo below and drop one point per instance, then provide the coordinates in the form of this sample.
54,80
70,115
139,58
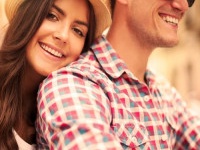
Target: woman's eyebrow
58,9
82,23
63,13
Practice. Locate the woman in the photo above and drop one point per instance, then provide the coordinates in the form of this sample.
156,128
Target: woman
43,35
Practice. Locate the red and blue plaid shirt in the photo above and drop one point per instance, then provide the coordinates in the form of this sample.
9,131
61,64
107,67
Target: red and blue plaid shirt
97,103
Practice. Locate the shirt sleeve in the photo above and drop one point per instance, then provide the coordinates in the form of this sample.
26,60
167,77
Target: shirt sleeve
74,113
186,124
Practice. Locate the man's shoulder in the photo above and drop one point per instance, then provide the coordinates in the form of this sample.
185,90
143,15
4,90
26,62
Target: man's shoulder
161,83
84,67
87,62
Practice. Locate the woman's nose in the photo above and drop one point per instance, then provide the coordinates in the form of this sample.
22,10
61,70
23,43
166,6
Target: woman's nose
61,34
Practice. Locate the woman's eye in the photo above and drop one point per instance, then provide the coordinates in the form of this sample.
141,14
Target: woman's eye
51,16
79,32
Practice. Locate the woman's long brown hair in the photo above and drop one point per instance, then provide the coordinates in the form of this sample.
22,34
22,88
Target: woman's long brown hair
22,28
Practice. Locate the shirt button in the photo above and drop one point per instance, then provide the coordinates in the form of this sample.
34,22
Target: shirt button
164,137
146,98
134,139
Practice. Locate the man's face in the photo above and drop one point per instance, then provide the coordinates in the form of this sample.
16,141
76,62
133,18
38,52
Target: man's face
156,22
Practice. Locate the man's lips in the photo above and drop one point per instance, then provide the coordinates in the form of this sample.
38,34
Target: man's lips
170,19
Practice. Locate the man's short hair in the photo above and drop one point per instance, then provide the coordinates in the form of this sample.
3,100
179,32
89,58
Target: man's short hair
112,6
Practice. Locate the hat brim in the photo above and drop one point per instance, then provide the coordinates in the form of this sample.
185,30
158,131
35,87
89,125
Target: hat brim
11,8
102,14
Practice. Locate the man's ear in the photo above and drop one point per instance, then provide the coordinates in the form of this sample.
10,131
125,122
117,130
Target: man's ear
124,2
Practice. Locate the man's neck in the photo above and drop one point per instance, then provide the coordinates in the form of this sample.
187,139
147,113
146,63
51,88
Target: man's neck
134,53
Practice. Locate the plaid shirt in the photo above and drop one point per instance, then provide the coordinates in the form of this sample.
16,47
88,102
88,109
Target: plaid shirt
97,103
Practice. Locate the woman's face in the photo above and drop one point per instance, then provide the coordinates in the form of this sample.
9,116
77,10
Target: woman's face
60,38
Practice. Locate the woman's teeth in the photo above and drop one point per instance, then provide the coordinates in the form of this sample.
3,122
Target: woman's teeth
51,51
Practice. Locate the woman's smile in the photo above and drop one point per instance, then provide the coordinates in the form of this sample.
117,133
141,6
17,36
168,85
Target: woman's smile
51,50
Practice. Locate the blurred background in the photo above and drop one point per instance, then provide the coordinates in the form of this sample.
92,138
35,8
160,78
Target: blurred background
180,65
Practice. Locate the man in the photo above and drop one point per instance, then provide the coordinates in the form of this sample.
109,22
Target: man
109,99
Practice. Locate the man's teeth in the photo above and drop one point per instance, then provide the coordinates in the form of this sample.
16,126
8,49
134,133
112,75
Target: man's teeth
169,19
52,51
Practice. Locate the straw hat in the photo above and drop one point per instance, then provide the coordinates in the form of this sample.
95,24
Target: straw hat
101,9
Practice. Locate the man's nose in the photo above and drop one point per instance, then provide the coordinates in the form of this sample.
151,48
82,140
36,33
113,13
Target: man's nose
181,5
